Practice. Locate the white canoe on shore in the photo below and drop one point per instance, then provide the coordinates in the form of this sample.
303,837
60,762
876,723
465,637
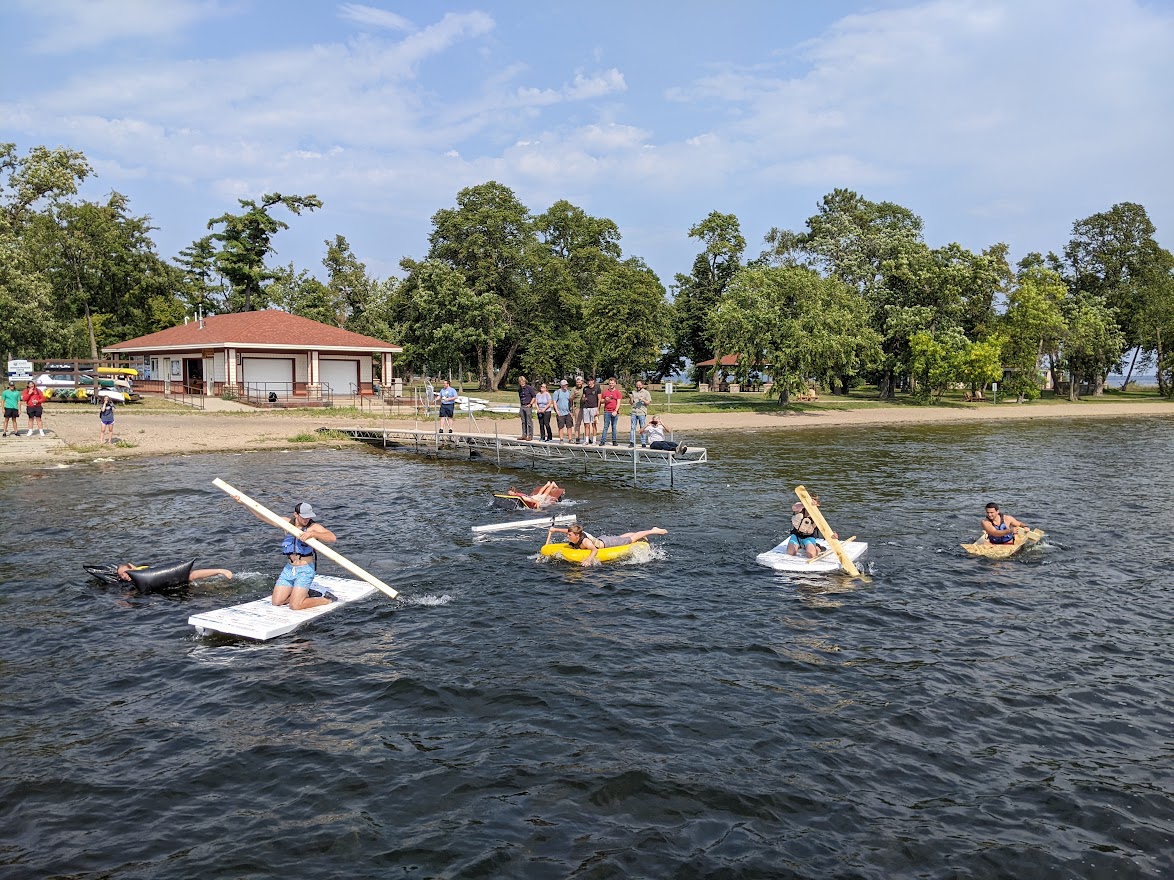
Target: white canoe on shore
778,559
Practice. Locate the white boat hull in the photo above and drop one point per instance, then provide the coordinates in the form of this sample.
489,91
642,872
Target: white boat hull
778,559
263,620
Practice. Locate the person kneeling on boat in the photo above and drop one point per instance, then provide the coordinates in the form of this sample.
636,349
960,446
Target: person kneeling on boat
544,496
1000,527
293,584
581,540
804,532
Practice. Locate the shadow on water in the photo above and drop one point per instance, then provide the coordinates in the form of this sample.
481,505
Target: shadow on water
693,714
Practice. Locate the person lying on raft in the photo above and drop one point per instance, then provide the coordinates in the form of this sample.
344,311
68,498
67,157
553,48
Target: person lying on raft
1000,528
581,540
804,532
543,496
196,574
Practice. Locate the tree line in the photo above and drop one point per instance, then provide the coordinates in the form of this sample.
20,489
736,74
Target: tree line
854,297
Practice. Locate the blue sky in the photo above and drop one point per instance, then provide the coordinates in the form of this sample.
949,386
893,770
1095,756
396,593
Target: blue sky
994,120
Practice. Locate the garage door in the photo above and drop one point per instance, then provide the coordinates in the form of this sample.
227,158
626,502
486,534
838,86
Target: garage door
341,376
268,374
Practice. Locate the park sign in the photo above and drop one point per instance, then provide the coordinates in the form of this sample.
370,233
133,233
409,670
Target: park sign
20,369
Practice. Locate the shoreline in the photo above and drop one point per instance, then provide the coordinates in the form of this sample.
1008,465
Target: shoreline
74,434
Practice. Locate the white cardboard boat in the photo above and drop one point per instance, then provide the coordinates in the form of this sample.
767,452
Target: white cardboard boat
778,559
262,620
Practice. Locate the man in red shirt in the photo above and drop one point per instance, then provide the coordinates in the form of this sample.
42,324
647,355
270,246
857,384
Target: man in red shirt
610,401
34,402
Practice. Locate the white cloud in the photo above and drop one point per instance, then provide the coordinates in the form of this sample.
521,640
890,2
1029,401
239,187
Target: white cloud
381,18
85,24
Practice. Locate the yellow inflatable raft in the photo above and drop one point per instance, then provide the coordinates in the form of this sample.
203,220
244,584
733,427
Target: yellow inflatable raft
607,554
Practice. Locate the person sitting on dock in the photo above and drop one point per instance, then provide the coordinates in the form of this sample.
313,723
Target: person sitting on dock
804,532
654,434
581,540
1000,527
543,496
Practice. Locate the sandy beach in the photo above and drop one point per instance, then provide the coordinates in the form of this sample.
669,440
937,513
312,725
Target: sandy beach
73,430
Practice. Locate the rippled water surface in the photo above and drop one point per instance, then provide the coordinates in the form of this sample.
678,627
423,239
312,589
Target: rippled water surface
693,715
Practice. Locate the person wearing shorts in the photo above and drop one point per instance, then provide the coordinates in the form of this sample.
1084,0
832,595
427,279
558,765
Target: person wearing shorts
106,419
11,408
448,400
562,411
590,410
293,584
34,402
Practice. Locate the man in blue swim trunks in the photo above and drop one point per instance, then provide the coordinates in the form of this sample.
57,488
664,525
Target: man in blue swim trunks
293,584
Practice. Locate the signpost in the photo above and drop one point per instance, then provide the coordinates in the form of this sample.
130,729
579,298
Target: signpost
668,395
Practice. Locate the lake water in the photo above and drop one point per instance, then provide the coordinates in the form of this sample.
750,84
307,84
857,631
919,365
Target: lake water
693,715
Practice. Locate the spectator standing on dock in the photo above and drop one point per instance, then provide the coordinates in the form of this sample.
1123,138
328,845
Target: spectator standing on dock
577,408
590,410
544,404
562,410
448,401
640,400
526,407
612,396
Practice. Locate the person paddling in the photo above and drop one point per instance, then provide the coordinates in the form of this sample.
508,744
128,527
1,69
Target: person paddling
1000,527
805,533
293,584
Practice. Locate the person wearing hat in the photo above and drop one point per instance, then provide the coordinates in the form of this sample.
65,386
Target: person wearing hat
562,411
804,532
293,584
11,399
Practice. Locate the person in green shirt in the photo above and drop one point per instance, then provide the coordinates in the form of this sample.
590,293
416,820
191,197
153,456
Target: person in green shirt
11,407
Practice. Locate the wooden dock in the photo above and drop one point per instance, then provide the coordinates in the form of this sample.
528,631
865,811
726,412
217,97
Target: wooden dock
474,444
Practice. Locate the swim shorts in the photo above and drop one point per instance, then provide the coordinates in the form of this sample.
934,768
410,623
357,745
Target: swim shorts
297,576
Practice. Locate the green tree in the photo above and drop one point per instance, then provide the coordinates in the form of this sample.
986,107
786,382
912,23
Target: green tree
441,321
487,240
1092,344
203,286
699,293
625,321
802,325
246,242
1033,325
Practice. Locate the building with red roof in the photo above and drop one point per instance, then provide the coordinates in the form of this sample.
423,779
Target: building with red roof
266,352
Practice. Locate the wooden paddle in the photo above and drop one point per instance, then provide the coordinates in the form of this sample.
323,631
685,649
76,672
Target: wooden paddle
827,551
826,531
271,517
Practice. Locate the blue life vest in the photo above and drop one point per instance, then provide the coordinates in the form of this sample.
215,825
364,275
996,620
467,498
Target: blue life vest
291,544
1008,538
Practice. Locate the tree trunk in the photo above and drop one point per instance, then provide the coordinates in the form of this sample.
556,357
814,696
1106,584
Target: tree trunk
1074,386
500,374
1129,372
90,328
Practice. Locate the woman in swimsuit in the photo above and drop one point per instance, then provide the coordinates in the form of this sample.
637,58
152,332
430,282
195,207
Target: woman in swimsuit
581,540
